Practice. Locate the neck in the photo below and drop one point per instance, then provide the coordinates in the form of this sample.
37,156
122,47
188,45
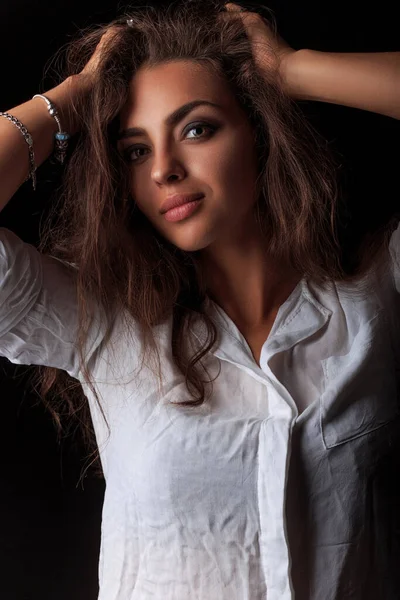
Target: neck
245,281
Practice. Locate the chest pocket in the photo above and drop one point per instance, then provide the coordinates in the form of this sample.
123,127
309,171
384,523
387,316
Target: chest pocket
361,392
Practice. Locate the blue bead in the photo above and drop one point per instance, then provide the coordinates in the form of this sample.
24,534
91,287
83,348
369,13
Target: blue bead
62,136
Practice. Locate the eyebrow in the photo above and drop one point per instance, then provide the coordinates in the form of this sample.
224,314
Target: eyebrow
172,119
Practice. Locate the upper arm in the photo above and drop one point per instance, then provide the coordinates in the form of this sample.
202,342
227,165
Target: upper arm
38,307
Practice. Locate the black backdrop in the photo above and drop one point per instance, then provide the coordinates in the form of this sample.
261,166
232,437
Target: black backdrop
50,525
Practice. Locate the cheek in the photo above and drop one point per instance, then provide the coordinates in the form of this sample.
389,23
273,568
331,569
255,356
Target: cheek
141,190
236,172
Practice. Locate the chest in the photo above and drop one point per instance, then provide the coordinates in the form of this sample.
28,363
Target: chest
201,467
257,337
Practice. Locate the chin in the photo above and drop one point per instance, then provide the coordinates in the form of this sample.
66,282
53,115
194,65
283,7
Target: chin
189,236
189,241
190,245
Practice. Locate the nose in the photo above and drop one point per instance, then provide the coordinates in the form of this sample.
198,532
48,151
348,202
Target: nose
167,168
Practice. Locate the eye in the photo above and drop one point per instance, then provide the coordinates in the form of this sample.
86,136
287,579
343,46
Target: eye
129,152
200,126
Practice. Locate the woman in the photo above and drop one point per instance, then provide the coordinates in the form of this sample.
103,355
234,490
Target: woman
241,384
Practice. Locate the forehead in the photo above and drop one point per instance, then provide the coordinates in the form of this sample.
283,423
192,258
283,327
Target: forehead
160,89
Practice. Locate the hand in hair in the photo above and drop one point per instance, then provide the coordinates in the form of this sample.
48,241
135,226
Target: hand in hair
106,39
269,49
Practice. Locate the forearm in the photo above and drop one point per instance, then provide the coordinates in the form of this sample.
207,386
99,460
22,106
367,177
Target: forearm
369,81
14,156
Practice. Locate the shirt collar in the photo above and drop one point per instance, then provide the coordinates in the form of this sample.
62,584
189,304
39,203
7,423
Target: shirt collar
298,318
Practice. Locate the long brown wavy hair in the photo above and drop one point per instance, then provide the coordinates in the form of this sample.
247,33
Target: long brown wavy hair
95,226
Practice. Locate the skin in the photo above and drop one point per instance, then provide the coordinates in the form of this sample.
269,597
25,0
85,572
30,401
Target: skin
222,164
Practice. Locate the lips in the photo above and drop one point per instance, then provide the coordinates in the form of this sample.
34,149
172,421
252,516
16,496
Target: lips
178,200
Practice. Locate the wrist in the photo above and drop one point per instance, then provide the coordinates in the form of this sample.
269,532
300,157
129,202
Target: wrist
66,96
296,69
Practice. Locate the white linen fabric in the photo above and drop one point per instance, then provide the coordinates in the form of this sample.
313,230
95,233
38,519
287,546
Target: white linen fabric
284,485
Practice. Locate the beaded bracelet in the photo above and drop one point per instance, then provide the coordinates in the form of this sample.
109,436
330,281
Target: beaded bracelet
61,137
28,138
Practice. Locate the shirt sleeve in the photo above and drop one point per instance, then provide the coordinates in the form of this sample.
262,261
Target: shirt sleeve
394,249
38,308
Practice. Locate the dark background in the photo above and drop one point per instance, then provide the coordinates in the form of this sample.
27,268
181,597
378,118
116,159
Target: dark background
50,523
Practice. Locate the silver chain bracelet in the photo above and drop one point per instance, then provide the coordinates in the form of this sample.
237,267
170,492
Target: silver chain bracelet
28,139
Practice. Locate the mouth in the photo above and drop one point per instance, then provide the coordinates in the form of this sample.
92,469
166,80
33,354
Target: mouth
178,213
178,199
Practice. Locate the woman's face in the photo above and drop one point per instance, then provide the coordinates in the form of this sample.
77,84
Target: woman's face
208,150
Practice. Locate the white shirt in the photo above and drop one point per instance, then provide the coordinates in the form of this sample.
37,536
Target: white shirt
282,486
